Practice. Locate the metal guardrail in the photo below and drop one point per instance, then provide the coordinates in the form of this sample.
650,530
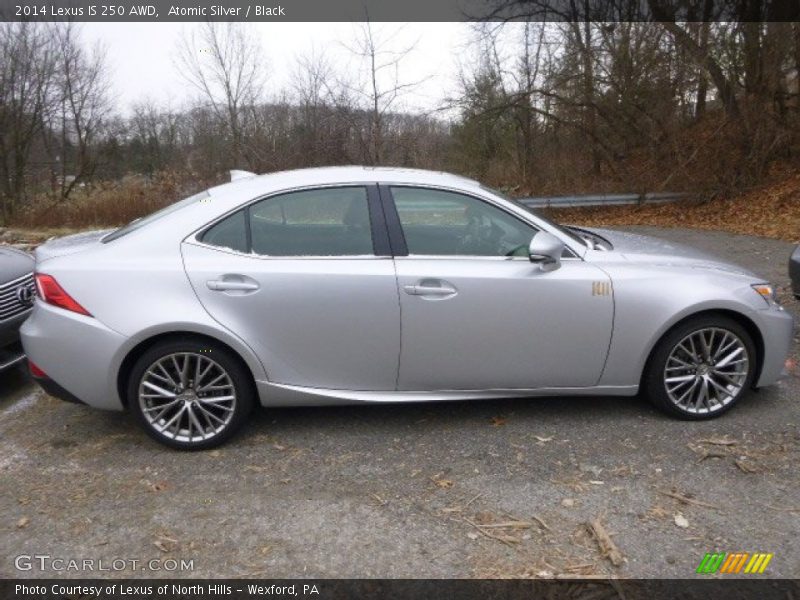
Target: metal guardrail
600,200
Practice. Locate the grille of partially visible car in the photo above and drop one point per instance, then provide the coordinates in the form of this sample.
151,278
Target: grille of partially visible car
11,302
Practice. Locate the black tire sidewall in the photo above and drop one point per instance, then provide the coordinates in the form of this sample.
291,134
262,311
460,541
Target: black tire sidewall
242,381
653,382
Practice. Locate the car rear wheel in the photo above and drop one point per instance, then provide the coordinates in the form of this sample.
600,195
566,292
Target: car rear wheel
701,368
189,394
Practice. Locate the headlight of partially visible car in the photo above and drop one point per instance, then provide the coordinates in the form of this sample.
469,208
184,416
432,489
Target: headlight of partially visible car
767,292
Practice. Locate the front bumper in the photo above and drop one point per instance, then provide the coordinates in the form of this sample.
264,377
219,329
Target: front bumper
76,353
11,353
777,329
11,356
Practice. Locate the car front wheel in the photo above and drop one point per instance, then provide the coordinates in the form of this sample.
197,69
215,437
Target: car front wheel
190,395
701,368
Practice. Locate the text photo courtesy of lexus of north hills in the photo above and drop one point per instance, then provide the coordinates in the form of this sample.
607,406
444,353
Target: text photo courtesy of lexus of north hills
357,299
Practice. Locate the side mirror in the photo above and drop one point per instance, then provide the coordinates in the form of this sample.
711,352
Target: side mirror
546,250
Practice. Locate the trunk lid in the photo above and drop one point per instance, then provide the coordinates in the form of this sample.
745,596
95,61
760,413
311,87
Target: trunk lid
71,244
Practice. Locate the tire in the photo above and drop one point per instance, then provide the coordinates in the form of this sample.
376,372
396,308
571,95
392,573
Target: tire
162,385
702,385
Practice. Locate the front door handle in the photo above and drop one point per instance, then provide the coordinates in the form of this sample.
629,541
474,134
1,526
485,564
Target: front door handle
221,285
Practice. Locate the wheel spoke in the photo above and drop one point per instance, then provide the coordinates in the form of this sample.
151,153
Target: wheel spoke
213,381
174,418
721,390
166,373
679,378
193,419
164,393
730,357
208,414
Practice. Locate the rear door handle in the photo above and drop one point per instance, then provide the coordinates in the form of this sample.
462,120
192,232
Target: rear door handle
220,285
428,290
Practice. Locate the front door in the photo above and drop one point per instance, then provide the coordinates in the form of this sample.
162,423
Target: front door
477,314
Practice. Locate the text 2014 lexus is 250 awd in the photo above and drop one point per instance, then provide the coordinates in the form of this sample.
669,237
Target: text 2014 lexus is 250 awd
353,284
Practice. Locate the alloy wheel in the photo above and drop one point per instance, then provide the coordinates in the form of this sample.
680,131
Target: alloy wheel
187,397
706,370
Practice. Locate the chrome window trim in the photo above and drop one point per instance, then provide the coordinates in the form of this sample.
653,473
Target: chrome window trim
194,235
271,257
498,203
473,257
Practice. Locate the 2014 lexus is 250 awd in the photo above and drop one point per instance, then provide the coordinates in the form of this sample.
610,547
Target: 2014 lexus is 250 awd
353,284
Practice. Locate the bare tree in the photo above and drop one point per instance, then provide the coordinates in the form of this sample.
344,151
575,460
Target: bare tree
312,89
26,78
83,105
383,86
224,62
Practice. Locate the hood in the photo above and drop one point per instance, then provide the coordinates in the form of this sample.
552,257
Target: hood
14,264
70,244
655,251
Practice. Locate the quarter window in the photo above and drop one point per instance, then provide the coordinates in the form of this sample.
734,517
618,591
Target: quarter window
437,223
230,233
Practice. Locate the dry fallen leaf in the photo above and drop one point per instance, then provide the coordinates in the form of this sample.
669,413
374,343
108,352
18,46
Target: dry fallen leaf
568,502
23,523
499,421
544,439
681,521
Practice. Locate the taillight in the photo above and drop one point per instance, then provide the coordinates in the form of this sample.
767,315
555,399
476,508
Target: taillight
36,371
54,294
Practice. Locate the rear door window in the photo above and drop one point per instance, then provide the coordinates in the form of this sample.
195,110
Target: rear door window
320,222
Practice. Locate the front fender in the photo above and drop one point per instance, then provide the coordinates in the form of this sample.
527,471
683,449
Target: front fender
647,304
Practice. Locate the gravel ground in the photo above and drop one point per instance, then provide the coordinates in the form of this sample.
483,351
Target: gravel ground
404,490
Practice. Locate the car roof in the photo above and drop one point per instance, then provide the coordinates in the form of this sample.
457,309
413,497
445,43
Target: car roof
280,180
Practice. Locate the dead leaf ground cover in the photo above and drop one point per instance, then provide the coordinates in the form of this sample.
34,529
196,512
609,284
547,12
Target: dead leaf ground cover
770,210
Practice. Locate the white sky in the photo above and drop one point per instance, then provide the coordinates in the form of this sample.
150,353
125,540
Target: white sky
140,56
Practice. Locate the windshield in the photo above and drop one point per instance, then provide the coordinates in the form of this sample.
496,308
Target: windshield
560,228
146,220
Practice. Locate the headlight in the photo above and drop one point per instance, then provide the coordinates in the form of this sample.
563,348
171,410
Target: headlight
767,292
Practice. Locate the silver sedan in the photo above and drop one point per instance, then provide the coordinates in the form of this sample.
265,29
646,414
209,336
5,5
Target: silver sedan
354,285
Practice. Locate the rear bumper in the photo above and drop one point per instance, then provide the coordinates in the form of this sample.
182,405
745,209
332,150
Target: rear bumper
777,329
76,353
51,388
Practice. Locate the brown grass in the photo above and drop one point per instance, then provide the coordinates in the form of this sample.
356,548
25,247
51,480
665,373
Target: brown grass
107,204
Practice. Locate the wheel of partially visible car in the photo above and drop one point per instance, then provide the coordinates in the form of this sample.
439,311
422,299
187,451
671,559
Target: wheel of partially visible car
701,368
189,394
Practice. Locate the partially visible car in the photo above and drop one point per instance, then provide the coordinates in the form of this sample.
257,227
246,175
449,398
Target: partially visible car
794,271
17,291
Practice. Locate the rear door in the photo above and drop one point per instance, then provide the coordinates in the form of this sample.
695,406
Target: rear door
476,313
306,279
